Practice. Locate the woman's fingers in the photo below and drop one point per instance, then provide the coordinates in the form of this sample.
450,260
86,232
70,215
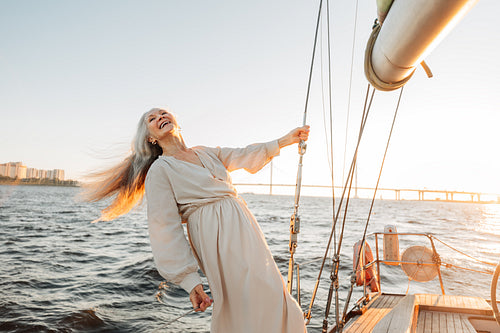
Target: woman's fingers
205,303
199,298
205,300
301,133
294,136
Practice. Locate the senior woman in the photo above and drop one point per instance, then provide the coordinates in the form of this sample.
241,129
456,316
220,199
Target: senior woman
193,185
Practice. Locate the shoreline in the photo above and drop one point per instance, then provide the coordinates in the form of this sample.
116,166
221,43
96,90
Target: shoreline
40,182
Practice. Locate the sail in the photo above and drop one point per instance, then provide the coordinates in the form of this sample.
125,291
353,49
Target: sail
409,32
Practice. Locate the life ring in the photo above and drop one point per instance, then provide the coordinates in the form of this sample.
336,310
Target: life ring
494,282
370,274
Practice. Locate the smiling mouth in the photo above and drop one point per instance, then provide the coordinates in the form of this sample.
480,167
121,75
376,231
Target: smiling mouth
164,124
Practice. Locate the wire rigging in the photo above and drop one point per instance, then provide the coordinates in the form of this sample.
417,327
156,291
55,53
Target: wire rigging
350,87
463,253
346,193
347,187
337,250
334,282
363,240
295,219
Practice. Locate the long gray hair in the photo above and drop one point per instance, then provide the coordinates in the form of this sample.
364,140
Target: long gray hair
125,181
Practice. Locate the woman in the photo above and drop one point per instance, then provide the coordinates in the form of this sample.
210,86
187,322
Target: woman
193,185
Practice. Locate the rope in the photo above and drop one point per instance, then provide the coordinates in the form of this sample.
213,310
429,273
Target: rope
462,253
353,166
312,63
353,276
311,261
375,81
335,261
330,89
295,220
328,144
336,267
350,85
373,201
163,286
174,320
447,265
381,167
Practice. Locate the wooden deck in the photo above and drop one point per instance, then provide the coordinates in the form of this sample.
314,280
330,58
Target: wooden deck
436,313
461,304
377,309
443,322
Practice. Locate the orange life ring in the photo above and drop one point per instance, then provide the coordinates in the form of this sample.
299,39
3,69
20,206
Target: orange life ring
370,275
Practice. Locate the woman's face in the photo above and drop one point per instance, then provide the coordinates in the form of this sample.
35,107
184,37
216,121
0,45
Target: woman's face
160,123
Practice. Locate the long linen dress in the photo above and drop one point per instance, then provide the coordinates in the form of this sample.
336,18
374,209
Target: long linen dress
225,240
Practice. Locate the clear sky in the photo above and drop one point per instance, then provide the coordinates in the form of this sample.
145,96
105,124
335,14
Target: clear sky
75,76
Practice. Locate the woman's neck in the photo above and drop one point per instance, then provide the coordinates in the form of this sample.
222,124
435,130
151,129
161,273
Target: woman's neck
173,145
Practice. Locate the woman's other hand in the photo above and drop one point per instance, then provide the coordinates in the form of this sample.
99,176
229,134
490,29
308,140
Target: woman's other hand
294,136
200,299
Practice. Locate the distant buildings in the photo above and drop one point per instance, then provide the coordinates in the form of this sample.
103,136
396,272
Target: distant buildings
20,171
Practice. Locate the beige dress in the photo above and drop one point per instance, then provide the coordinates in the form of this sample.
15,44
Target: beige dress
248,290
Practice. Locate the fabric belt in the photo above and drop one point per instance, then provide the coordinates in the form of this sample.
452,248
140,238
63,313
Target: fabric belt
185,210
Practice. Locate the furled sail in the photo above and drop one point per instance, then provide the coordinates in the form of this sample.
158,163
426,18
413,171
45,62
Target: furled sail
409,32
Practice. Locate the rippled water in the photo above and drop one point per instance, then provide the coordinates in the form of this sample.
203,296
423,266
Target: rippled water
60,273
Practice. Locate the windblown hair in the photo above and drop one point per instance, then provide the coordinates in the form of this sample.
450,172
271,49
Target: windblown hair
125,181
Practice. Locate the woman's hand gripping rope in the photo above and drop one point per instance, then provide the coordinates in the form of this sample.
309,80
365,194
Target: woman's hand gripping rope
199,299
294,136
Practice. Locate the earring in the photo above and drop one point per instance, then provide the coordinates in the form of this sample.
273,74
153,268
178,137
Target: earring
153,142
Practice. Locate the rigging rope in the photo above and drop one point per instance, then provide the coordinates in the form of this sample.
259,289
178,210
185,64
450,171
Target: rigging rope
163,286
335,258
372,203
329,145
448,265
350,86
462,253
308,315
370,73
295,219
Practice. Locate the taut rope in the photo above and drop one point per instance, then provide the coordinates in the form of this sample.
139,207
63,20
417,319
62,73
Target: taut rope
371,208
295,219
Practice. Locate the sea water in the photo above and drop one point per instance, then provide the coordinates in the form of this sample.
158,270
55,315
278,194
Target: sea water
61,273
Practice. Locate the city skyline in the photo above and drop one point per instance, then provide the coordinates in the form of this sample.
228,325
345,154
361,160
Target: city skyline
17,170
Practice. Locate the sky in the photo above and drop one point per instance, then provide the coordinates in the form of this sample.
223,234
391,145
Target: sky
75,76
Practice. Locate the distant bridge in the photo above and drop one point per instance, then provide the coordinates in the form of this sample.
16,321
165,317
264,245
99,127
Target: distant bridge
423,195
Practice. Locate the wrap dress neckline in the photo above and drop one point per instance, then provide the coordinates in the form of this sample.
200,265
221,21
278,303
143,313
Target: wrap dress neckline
205,164
181,160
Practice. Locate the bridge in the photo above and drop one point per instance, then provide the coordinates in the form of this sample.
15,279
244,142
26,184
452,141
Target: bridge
408,194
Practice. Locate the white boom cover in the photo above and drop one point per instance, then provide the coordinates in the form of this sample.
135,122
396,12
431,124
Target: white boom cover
410,31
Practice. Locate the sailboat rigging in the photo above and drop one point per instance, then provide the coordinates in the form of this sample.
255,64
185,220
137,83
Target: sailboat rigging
295,219
391,57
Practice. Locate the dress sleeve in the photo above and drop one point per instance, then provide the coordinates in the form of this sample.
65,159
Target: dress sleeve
171,251
251,158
